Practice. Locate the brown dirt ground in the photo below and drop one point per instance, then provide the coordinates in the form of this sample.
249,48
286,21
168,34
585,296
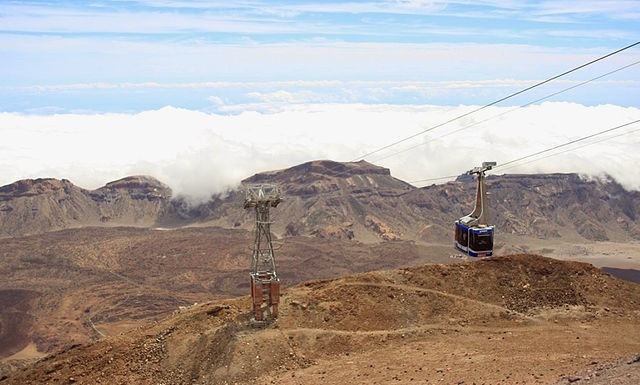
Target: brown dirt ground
76,286
15,320
514,319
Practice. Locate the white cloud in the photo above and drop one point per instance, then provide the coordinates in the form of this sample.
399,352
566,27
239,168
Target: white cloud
216,100
93,20
173,85
318,91
490,8
333,20
198,153
614,8
271,97
191,65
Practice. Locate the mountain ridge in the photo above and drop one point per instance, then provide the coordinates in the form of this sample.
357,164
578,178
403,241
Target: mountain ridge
33,206
323,198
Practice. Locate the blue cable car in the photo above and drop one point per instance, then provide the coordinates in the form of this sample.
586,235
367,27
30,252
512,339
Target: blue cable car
473,235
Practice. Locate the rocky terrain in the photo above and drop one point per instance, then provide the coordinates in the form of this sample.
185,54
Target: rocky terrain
326,199
77,285
42,205
109,265
513,319
364,202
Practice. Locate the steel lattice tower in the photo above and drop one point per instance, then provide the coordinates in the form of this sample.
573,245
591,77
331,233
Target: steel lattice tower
265,284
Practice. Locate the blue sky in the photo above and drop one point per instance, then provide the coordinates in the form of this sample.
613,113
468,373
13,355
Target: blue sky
96,90
226,57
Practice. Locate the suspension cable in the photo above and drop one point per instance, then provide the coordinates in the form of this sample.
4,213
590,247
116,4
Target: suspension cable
497,101
501,165
572,149
565,144
506,112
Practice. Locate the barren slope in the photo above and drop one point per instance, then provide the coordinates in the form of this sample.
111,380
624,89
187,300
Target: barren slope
326,199
33,206
72,286
545,206
509,319
364,202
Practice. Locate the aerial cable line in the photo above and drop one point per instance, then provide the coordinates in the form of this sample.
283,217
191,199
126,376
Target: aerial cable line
566,144
572,149
497,101
433,179
505,112
346,172
487,119
340,193
549,149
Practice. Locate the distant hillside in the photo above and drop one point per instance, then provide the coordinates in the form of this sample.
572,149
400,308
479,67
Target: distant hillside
34,206
329,199
543,206
364,202
321,198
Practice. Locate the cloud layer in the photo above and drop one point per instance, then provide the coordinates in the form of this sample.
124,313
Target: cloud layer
199,153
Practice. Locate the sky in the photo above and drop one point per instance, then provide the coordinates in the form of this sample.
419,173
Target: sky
204,93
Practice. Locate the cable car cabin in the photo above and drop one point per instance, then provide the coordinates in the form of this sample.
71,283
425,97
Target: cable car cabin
476,242
474,235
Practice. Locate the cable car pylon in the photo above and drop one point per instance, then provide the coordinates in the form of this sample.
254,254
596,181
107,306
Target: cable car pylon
265,284
474,235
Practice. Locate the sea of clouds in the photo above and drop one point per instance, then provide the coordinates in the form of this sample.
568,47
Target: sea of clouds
198,154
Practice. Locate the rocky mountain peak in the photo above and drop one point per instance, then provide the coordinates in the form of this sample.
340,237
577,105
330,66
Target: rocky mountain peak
319,169
323,176
339,169
139,186
137,181
322,195
33,187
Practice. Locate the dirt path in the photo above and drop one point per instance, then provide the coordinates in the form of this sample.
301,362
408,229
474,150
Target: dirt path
445,294
380,328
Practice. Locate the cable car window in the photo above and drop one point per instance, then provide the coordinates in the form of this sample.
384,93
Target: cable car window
482,242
